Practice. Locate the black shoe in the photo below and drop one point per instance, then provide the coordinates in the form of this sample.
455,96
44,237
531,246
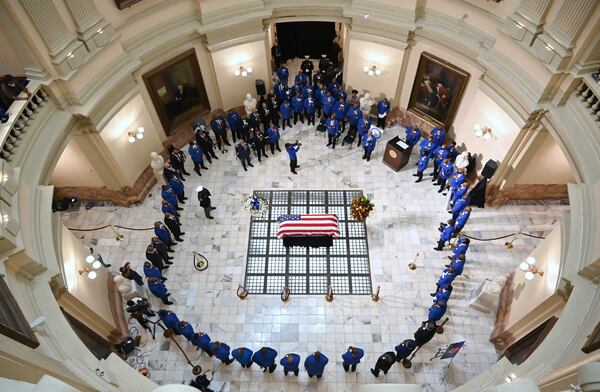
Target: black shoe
186,173
438,249
215,157
227,144
374,373
213,208
168,303
182,233
170,258
266,156
294,172
171,250
418,181
440,191
204,167
163,279
251,165
210,217
169,263
415,175
328,144
179,208
245,169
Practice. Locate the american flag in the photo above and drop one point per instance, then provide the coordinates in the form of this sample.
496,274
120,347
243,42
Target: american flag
308,225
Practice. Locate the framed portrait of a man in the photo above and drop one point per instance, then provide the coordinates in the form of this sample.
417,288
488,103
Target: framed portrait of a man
437,90
177,90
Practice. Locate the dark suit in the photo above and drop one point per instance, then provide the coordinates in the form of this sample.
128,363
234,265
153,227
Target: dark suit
243,154
155,258
173,226
204,198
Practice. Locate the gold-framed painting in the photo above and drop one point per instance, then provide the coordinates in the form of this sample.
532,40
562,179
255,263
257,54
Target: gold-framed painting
437,90
177,90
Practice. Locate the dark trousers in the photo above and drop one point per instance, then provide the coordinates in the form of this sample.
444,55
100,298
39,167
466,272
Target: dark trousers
311,118
381,122
200,164
274,118
165,299
295,372
136,277
342,124
285,121
348,367
442,183
293,165
419,175
436,170
331,140
299,115
181,197
359,137
273,145
219,137
319,111
367,155
441,244
247,365
245,160
260,151
207,211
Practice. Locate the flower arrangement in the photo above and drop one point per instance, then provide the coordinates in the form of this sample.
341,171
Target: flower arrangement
256,205
361,207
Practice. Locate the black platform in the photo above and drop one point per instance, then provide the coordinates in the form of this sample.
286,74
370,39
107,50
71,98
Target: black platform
309,241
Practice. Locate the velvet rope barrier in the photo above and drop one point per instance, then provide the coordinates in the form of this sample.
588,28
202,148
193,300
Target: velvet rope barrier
120,227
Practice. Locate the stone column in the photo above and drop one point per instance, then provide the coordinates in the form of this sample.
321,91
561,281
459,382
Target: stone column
92,29
526,22
66,51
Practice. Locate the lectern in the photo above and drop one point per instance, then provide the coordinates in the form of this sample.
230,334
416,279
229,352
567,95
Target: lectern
397,153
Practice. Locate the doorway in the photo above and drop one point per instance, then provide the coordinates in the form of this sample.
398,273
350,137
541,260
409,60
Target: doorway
298,39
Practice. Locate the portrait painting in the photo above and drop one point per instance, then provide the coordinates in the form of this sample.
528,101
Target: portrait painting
177,91
437,90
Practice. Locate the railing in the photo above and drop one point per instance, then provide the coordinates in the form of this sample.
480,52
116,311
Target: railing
590,97
21,114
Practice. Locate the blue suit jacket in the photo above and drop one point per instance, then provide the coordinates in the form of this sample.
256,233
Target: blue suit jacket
314,366
244,358
152,272
402,351
351,359
265,360
158,289
290,367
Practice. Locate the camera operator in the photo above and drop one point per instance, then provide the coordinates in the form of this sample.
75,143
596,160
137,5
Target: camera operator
292,149
139,308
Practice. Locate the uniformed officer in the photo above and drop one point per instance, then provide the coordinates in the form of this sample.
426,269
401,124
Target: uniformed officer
352,358
234,120
317,78
154,256
461,220
439,154
292,150
159,290
202,341
186,330
445,172
290,363
437,311
460,205
421,166
310,107
404,349
221,351
152,271
196,153
259,143
170,320
353,116
384,363
315,364
274,138
265,115
219,127
162,249
206,144
280,90
364,124
243,355
307,67
383,108
458,266
341,112
445,235
243,153
438,135
426,146
298,107
163,234
412,135
265,358
327,105
173,225
333,130
177,186
283,73
286,113
425,333
368,146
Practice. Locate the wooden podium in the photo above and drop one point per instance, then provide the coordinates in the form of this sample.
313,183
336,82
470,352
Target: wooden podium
397,153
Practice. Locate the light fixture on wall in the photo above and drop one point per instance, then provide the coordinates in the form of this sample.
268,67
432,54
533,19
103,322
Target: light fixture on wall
510,377
243,71
133,136
372,70
90,259
90,272
484,132
528,266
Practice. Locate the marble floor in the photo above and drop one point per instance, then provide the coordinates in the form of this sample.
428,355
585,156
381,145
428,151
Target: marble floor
404,222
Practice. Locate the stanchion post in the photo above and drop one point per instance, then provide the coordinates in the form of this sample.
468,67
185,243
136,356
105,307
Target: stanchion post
285,294
242,293
329,295
375,296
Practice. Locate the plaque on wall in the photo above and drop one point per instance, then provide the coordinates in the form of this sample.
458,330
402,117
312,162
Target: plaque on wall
177,91
122,4
437,90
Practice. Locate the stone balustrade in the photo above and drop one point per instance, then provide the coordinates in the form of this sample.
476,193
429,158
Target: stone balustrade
589,95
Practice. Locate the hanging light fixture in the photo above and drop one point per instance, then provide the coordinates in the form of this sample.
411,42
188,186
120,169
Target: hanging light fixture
242,71
484,132
138,134
372,70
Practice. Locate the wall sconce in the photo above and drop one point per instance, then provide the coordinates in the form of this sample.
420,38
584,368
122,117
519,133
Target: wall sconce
372,70
92,260
510,378
90,273
138,134
243,71
484,132
528,266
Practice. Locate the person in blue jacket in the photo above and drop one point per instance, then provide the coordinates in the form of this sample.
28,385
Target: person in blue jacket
341,112
179,189
168,194
461,220
152,272
283,73
320,94
333,130
459,205
299,79
458,265
404,349
412,135
166,207
280,90
426,146
310,107
290,364
160,290
243,355
170,320
186,330
383,109
436,311
221,351
307,90
274,136
446,278
364,124
286,113
452,152
315,364
442,294
457,179
202,341
460,248
161,231
197,154
298,107
438,135
459,192
328,105
368,146
296,88
234,121
292,150
445,172
439,154
352,358
219,127
421,166
354,115
265,358
445,235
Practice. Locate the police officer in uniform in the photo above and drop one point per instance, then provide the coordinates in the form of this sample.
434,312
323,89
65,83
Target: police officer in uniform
307,67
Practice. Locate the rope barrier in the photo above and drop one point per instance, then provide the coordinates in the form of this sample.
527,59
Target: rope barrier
104,227
502,237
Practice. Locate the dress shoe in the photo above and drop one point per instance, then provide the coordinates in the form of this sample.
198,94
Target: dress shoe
210,217
294,172
213,208
204,167
418,181
169,263
182,233
251,165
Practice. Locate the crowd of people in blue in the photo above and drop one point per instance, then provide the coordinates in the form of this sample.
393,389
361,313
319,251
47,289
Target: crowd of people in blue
330,102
